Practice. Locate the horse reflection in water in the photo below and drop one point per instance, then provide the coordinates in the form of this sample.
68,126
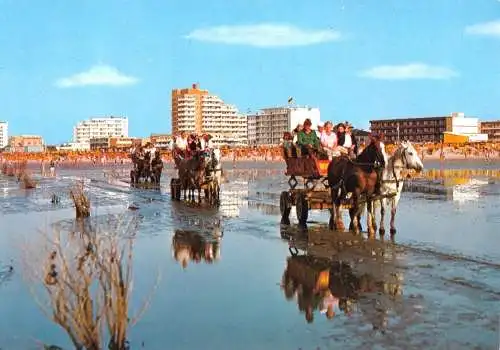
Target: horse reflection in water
192,246
199,241
341,273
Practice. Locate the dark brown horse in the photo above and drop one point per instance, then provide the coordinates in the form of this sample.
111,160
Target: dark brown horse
360,177
156,168
192,174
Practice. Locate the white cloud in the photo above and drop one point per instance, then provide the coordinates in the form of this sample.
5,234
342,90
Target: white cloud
409,71
97,75
487,28
264,35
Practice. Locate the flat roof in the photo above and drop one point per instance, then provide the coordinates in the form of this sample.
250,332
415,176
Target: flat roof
408,118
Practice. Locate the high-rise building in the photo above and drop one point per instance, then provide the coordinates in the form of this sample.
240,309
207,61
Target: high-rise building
4,134
196,110
268,126
86,130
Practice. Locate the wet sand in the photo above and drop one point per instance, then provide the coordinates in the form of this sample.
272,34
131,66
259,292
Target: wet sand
437,285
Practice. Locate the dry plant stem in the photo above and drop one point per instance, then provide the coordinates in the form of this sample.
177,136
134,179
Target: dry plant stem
88,278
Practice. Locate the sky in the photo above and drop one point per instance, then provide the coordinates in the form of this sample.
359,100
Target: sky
62,61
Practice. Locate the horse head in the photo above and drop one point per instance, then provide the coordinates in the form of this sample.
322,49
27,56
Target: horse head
373,153
409,156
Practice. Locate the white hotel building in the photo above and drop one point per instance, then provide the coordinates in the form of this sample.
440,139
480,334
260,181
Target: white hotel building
4,134
99,128
196,110
268,126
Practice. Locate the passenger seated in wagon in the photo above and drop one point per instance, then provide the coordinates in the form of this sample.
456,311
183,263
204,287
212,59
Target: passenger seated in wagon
307,139
328,140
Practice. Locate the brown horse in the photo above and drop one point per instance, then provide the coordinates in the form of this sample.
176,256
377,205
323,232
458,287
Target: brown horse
191,174
359,177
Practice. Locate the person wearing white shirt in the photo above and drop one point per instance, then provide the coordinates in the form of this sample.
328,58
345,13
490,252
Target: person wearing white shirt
328,140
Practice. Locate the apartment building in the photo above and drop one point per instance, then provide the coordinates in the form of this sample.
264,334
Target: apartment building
26,143
429,129
196,110
267,126
4,134
492,129
92,128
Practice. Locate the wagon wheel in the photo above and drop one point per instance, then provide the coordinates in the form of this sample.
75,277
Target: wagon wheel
285,207
302,208
173,189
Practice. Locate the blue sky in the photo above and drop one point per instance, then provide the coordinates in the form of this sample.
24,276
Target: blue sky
62,61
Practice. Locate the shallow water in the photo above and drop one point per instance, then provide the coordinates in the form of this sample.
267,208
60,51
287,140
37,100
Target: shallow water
437,285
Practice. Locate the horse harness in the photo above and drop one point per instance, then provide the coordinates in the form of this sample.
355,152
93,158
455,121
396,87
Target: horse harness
376,166
404,160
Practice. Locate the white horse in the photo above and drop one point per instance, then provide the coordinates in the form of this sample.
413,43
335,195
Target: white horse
404,158
217,166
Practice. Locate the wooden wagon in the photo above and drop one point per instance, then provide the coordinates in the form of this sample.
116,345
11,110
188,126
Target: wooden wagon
308,186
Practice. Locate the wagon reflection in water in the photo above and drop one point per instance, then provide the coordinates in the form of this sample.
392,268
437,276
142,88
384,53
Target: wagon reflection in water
343,273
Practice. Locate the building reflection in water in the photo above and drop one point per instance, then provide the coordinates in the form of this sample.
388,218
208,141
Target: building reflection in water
453,185
341,274
233,197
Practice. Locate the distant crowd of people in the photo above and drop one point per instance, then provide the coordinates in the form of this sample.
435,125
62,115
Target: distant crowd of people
327,139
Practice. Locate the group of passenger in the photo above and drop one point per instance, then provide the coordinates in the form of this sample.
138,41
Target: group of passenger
187,145
148,151
327,140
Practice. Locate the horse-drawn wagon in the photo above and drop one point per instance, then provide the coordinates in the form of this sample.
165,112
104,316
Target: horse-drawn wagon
308,182
147,169
201,172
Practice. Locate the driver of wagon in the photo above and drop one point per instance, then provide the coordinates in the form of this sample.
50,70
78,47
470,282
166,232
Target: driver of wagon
307,138
206,142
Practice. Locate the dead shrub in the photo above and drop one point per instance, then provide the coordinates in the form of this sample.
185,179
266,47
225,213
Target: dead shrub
81,201
86,279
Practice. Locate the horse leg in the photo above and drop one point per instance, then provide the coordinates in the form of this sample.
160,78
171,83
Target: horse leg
338,217
352,213
393,216
355,209
381,230
374,217
369,219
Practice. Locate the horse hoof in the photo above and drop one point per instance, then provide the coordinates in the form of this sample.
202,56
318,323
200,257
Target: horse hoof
285,221
392,231
381,231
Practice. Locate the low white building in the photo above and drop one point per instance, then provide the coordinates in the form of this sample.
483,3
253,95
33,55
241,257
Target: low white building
267,126
74,146
92,128
4,134
467,126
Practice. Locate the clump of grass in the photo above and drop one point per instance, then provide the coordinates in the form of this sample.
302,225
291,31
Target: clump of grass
87,280
26,180
81,201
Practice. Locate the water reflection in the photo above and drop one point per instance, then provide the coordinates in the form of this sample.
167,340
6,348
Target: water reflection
341,273
191,246
81,276
6,272
454,185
